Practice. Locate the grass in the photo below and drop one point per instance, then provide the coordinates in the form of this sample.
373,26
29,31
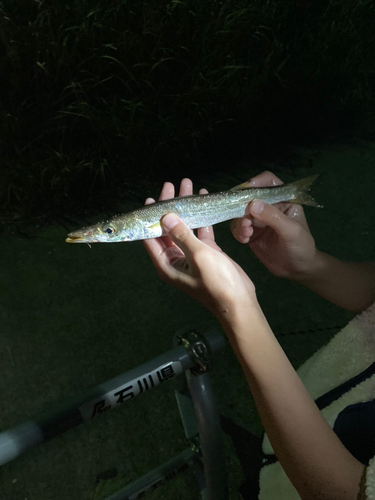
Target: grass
103,100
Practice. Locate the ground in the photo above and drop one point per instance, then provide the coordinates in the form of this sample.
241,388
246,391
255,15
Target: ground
74,316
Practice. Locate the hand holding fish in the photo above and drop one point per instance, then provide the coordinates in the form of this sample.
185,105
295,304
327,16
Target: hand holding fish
196,265
279,235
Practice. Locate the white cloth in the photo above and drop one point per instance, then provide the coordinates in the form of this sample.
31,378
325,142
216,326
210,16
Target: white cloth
348,353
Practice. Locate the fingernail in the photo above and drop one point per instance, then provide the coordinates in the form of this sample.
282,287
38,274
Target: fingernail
257,207
169,221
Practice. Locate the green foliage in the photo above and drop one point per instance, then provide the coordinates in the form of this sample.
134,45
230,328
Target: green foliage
97,95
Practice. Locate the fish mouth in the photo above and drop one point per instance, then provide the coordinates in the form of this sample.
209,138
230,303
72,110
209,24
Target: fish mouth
75,239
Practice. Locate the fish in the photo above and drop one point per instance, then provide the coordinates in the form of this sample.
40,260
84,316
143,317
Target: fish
195,210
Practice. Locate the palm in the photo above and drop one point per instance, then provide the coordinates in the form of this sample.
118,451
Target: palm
176,257
268,248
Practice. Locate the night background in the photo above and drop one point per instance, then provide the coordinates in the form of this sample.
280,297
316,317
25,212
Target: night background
102,100
100,103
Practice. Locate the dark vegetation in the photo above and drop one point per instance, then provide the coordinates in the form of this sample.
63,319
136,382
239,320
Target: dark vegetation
103,100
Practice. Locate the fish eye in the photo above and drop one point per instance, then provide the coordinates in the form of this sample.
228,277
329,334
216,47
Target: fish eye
109,230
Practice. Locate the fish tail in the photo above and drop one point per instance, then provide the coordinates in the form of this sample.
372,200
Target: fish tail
303,198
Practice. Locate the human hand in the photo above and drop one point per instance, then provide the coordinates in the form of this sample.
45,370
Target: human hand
279,235
196,265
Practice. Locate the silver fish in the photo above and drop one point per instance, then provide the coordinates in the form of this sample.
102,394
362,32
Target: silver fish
196,210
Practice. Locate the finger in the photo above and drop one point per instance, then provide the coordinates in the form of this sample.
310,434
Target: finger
264,179
154,246
186,187
161,255
242,229
167,191
206,232
297,213
270,216
180,234
163,251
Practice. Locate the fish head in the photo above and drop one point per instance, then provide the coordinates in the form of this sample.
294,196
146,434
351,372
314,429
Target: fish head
117,229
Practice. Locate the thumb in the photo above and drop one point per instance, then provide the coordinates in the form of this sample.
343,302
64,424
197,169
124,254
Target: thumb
272,217
180,234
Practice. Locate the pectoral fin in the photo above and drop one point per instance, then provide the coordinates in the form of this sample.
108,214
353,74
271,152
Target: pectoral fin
153,230
154,227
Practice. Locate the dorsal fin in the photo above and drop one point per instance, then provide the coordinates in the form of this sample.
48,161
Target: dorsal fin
244,185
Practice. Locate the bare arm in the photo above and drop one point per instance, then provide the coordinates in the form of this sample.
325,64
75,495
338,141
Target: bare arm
315,460
350,285
312,456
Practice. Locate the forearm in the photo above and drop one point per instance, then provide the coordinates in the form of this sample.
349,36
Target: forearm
350,285
312,456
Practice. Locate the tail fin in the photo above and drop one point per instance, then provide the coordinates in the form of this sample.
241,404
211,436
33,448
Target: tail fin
303,198
302,186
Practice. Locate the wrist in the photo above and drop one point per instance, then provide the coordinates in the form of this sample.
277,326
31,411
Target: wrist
314,271
238,313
